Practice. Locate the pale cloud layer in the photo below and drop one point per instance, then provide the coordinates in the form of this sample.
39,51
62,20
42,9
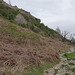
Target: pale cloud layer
52,13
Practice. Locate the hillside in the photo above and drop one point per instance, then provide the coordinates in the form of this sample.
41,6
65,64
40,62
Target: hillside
26,20
27,44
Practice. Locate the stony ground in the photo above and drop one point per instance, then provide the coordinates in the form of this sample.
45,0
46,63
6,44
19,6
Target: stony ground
63,68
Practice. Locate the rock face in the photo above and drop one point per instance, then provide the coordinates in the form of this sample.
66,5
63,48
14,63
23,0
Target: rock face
20,19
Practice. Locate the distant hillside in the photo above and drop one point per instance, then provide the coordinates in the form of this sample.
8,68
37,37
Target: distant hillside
27,46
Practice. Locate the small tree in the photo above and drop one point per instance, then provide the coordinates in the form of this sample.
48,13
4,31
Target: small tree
58,30
71,38
65,36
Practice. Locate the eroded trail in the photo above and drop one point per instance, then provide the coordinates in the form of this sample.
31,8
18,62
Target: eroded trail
65,67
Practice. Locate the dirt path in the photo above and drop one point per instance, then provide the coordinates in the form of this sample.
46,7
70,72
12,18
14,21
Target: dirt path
57,70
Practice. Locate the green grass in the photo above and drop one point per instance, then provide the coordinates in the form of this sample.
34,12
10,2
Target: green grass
39,70
56,70
72,69
69,55
71,63
64,66
15,35
66,74
13,31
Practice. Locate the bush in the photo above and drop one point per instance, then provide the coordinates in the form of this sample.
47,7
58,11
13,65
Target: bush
32,27
24,25
47,31
0,1
66,74
7,12
12,21
56,70
72,63
36,30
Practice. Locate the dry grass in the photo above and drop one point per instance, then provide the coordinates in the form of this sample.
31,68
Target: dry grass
20,48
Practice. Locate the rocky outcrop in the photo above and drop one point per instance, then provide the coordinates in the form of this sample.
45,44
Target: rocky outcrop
20,19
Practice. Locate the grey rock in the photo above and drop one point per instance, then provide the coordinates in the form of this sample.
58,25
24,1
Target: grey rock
20,19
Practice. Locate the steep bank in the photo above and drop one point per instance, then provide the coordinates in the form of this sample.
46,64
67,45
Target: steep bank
23,45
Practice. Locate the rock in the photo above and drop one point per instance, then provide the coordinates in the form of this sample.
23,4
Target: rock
20,19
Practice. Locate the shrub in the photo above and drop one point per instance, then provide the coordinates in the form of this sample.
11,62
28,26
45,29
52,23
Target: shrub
66,74
72,63
36,30
69,55
56,70
7,12
32,27
12,21
72,69
0,1
24,25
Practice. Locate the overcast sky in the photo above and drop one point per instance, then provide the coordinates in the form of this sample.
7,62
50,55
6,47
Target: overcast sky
52,13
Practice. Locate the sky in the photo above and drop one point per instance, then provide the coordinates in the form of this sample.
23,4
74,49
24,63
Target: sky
53,13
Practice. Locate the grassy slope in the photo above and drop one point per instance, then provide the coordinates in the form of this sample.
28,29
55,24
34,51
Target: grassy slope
21,49
10,12
40,70
30,48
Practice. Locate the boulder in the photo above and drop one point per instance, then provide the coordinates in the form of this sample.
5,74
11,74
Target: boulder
20,19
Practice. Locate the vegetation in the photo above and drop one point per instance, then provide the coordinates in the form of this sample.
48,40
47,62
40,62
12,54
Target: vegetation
72,69
10,14
56,70
39,70
24,25
66,74
37,30
0,1
10,32
64,66
69,55
18,33
47,31
71,63
7,12
10,29
40,27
